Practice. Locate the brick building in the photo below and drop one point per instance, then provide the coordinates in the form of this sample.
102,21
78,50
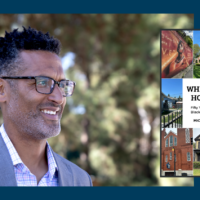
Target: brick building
183,151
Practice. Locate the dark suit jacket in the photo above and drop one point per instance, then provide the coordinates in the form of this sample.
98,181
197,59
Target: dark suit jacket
69,174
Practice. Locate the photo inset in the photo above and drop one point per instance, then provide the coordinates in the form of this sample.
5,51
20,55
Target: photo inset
196,54
172,103
177,152
176,53
196,152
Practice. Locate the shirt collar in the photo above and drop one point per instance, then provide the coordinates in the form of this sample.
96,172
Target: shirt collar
12,151
52,166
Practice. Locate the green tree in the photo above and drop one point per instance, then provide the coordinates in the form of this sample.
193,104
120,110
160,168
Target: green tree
194,145
196,50
185,37
189,41
180,98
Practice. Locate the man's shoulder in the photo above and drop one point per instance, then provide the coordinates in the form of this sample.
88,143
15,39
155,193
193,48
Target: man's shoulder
80,177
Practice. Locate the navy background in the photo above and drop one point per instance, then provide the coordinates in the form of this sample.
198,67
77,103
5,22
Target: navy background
103,6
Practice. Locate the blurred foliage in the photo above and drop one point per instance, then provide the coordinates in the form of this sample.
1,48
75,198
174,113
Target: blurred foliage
117,71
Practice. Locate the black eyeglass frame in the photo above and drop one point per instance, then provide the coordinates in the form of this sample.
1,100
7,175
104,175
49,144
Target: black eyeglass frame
35,77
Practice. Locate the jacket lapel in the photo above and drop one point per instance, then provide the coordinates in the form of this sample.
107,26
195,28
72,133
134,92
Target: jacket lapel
7,174
64,175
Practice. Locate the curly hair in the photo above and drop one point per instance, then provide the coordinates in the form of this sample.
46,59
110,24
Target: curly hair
29,39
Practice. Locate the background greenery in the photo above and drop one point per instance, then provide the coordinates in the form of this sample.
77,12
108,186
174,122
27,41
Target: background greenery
196,71
196,50
117,71
196,165
186,38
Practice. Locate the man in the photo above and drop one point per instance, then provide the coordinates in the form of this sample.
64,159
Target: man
33,92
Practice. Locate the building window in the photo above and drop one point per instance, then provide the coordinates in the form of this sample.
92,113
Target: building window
175,157
170,156
166,158
188,156
166,142
187,135
171,141
175,141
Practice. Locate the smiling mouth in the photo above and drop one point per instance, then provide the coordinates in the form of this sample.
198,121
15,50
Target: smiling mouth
50,112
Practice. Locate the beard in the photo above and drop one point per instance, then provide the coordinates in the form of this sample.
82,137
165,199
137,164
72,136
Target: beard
31,123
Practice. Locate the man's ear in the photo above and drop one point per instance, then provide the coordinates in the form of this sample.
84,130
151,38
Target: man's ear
2,91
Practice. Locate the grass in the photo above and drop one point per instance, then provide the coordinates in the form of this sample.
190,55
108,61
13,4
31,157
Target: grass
165,112
196,172
196,71
170,118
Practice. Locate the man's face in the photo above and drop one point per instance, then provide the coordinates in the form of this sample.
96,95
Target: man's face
26,108
181,48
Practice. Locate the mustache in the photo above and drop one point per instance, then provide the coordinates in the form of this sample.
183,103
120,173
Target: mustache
50,104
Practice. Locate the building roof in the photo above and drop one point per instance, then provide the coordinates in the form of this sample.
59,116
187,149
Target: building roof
197,138
168,133
168,97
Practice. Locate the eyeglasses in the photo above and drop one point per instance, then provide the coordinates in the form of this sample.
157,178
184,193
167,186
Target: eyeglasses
46,85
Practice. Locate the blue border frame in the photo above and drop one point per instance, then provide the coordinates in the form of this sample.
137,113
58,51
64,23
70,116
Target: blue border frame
111,6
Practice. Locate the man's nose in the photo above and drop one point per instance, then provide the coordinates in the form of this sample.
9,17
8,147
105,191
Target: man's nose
56,96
